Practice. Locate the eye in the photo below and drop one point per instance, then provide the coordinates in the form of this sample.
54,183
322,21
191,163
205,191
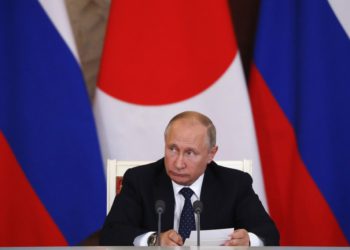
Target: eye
190,152
172,148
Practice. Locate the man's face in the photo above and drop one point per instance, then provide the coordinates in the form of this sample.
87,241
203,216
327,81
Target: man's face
187,151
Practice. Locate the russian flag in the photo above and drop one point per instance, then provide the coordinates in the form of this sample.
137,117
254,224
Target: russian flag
300,93
52,185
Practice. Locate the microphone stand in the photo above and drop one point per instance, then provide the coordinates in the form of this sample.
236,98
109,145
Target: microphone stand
198,208
160,208
159,227
198,228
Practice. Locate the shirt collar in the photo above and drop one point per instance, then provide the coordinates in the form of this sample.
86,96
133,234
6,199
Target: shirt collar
196,186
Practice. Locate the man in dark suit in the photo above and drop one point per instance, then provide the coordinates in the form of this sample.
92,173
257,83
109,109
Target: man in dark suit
227,194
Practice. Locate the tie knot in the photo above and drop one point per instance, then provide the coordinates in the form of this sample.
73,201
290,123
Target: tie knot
186,192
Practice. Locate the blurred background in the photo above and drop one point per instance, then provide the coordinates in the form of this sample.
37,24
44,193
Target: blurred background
89,19
82,81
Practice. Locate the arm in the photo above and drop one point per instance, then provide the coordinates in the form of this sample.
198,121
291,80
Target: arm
251,215
123,223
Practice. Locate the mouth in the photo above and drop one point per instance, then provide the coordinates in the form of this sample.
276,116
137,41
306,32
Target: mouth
178,175
181,179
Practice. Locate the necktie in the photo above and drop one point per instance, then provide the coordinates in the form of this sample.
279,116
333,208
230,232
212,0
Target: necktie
187,222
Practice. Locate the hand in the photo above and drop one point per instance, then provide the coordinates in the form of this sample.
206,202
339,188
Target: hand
239,237
170,238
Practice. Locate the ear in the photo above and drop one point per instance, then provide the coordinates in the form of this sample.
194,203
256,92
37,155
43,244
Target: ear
212,153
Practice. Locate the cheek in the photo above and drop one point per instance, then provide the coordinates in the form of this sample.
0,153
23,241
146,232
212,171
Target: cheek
169,162
194,169
168,156
200,167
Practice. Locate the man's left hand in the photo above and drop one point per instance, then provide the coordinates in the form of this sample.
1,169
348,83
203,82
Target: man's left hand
239,237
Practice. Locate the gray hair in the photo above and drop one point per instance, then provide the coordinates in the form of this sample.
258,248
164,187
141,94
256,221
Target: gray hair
202,119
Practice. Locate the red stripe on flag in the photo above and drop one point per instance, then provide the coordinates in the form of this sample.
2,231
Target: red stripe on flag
24,220
296,204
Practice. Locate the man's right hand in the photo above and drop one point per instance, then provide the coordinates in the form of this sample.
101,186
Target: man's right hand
170,238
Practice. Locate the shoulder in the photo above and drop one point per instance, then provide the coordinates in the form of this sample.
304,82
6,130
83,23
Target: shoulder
142,178
222,173
149,169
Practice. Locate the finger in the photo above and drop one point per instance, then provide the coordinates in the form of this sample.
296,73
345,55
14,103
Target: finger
175,237
239,234
239,237
166,238
233,242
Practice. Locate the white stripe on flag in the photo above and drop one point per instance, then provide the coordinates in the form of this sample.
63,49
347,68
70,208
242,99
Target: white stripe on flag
57,12
341,9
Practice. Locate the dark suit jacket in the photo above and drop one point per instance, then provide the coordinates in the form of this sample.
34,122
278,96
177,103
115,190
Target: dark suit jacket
227,196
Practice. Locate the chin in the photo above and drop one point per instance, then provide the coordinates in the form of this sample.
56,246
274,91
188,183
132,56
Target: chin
180,181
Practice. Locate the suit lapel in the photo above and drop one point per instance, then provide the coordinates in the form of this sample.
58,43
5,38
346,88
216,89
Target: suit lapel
164,191
210,196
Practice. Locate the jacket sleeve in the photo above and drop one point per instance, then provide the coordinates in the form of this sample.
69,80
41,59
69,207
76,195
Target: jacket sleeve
252,216
122,224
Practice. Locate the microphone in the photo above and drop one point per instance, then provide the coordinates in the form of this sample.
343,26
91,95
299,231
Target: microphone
160,208
198,208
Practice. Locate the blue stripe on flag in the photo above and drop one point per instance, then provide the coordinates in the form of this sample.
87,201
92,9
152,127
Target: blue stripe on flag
304,56
46,116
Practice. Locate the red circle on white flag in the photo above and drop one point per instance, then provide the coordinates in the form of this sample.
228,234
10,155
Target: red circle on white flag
163,52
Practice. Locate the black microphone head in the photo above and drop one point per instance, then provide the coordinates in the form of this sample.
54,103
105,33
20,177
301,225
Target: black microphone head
160,206
198,206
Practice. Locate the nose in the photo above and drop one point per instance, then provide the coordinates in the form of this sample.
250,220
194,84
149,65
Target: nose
179,162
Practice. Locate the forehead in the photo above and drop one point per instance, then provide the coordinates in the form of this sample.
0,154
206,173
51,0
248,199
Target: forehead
187,123
186,130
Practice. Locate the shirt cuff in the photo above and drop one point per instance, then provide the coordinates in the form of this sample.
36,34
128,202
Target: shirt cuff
141,240
255,241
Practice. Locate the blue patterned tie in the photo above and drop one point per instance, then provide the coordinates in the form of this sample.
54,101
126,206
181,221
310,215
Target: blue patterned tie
187,222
